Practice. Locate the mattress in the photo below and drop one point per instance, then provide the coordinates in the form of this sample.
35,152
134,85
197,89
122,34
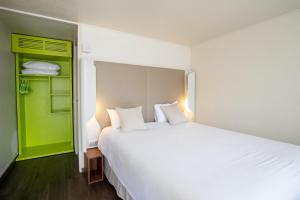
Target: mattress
193,161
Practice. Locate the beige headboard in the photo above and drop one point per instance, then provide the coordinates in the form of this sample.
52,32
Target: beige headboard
121,85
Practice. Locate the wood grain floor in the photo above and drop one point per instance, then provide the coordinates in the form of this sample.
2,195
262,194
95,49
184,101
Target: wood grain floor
52,178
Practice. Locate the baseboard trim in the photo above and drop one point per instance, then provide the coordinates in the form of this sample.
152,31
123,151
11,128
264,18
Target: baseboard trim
8,170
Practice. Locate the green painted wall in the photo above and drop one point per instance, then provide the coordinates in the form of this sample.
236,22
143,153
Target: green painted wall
8,117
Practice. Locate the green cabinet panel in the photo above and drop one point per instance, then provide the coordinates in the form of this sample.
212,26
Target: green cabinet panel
41,46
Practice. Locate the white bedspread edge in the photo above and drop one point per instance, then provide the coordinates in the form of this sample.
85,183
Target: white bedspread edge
113,179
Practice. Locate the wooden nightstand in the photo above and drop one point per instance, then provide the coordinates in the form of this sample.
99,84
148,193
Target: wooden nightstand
93,165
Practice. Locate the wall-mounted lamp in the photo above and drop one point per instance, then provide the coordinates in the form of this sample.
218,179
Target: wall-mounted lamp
191,95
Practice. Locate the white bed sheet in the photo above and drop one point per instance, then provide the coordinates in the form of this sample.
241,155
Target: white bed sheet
196,162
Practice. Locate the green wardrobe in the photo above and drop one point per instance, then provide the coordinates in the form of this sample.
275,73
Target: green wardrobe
45,124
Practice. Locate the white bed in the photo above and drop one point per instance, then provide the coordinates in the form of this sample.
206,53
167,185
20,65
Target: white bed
196,162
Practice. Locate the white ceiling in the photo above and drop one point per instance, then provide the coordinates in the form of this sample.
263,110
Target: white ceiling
185,22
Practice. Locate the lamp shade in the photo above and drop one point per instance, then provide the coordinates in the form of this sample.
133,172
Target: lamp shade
93,131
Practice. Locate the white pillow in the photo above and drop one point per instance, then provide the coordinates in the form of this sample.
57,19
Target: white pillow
114,118
131,118
41,65
159,115
173,114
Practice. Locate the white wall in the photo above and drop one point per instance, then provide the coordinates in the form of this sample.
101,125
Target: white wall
8,118
249,80
119,47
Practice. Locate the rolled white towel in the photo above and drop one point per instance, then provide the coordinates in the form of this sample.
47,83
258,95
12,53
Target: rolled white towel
40,65
39,71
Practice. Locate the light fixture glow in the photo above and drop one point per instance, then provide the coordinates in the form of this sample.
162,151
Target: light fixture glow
98,106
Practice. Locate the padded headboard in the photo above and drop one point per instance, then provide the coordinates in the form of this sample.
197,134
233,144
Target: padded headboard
122,85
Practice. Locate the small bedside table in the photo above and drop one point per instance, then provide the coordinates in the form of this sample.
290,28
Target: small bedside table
93,165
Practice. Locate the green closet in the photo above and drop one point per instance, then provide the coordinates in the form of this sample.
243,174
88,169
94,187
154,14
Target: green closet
45,123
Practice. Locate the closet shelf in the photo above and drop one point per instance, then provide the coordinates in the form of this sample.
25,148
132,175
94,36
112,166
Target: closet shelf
65,110
34,79
60,76
60,93
43,76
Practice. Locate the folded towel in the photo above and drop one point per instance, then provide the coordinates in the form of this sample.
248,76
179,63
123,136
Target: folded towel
41,65
39,71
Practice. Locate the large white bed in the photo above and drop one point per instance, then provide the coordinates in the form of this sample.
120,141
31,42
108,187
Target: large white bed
191,161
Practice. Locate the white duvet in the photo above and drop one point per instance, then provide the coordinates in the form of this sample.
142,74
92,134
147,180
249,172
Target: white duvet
196,162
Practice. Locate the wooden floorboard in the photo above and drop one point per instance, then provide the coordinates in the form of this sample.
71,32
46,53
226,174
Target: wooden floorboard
52,178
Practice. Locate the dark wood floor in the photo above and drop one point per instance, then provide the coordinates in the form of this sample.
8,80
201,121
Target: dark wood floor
53,177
